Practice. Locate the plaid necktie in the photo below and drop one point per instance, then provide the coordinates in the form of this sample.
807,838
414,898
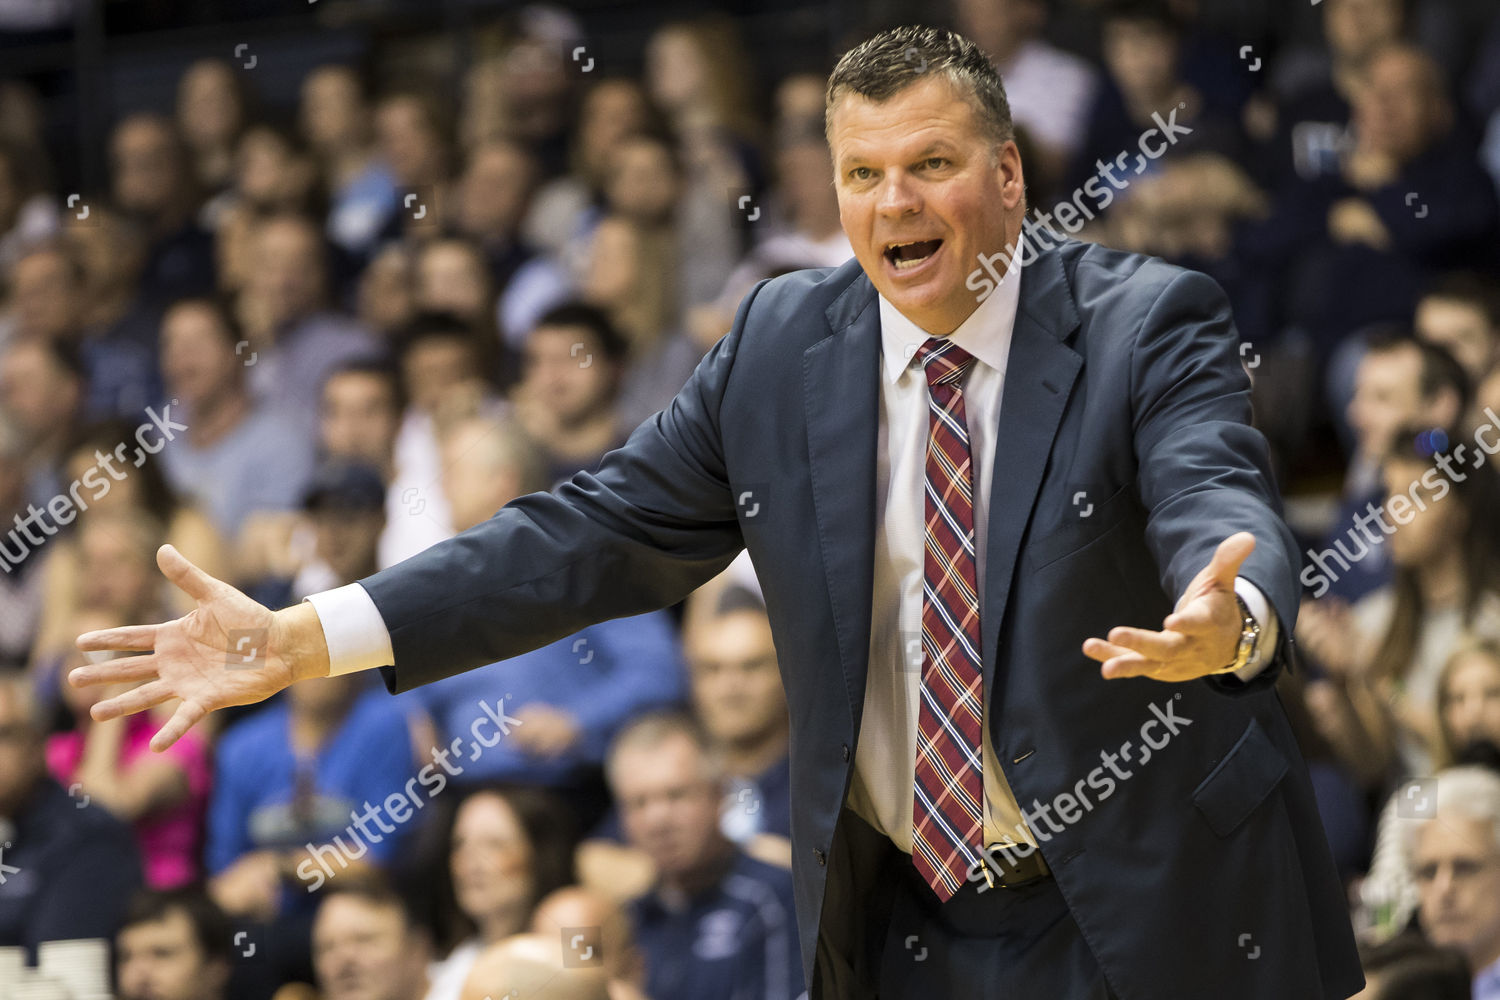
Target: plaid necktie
947,811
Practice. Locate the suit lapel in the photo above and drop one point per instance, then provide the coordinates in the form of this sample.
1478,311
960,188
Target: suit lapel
840,386
1039,377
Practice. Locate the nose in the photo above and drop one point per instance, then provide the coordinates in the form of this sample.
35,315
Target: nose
897,196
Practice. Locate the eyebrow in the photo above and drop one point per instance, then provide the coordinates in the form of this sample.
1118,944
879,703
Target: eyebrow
940,145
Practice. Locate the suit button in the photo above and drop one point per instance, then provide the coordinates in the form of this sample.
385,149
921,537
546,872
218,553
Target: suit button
845,751
822,858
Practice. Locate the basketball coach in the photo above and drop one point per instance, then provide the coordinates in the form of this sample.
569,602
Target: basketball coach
958,495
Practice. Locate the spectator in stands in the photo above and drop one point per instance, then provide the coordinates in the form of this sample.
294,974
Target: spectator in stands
570,384
384,302
41,391
565,209
630,276
566,911
367,946
1455,858
360,413
415,139
508,847
212,111
346,504
27,214
494,194
298,774
1462,314
173,945
533,965
739,699
21,586
162,796
452,277
1049,90
296,339
1398,383
569,696
112,253
1384,656
237,454
70,871
275,172
1409,968
446,375
152,182
335,119
1142,42
1468,704
717,921
49,293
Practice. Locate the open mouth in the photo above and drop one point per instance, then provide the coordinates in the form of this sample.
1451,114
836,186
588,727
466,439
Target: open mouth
905,256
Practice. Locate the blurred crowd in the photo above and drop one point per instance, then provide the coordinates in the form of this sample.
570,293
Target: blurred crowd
304,343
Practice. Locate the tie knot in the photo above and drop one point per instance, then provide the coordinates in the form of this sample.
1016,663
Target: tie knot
943,361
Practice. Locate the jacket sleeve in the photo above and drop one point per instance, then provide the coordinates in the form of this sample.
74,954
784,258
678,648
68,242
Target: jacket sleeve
1204,470
654,522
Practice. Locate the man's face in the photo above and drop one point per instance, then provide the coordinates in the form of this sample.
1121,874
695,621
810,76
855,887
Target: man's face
365,951
44,296
1355,27
197,360
1387,396
286,273
737,688
1395,108
494,190
359,418
162,960
668,808
1463,329
565,366
38,394
147,173
347,540
1457,868
916,171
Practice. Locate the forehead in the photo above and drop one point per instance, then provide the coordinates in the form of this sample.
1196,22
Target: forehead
1451,835
930,112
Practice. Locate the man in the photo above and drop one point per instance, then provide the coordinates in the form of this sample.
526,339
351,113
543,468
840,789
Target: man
360,413
366,946
739,699
1462,314
1455,856
1120,459
173,946
67,869
717,922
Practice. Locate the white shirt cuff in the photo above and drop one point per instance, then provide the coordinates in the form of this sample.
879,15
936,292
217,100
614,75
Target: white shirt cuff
356,634
1261,610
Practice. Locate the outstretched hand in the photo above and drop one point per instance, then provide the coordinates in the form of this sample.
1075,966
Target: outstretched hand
1201,635
229,650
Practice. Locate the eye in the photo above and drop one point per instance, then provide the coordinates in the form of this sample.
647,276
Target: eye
935,162
859,173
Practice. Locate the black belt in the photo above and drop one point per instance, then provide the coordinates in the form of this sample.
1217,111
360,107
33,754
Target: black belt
1002,869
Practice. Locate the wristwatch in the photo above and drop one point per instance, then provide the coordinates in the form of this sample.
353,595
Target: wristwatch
1249,638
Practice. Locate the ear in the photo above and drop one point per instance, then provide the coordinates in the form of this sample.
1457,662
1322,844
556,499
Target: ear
1009,174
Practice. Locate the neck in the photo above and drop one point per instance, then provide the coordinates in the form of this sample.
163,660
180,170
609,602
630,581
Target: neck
502,924
703,875
214,416
1441,578
754,755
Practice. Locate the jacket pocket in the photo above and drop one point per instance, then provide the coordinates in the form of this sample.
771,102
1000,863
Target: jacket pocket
1241,781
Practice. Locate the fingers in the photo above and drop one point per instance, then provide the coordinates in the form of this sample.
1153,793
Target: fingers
132,701
127,668
137,638
1156,645
1117,660
1225,564
188,578
188,715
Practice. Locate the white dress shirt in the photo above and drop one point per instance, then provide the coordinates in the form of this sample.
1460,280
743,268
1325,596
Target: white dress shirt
885,761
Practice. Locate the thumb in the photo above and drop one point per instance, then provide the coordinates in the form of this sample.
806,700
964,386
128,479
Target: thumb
1225,564
184,575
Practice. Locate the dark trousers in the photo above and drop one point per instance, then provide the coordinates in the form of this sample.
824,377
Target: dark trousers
999,944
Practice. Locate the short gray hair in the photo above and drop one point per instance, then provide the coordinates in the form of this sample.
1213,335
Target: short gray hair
650,730
880,67
1469,791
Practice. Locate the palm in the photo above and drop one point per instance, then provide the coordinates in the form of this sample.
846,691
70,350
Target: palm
224,652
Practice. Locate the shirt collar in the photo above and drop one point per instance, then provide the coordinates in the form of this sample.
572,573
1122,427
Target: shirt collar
985,333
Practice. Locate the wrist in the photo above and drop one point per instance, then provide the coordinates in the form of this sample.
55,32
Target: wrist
297,637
